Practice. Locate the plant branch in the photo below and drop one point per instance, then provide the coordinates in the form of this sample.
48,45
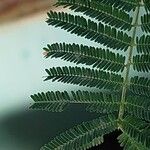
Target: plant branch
126,80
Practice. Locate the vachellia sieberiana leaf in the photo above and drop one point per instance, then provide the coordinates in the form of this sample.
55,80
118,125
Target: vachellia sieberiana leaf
117,72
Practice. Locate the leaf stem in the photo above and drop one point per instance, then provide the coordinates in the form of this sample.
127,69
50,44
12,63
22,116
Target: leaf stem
128,65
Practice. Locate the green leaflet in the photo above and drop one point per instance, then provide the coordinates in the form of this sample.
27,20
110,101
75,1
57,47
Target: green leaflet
147,5
89,29
126,5
145,20
85,77
138,106
100,11
83,136
58,101
140,86
137,129
81,54
143,44
141,63
129,143
98,102
94,142
51,101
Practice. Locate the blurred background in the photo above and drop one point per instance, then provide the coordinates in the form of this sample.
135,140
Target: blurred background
15,9
23,34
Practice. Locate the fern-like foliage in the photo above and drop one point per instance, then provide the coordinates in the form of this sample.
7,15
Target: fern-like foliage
85,135
143,44
123,100
81,54
94,101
